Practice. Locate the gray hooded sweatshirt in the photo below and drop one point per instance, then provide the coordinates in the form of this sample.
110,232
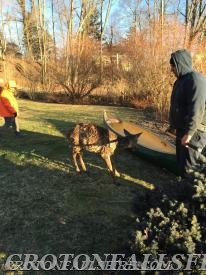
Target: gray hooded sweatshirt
188,99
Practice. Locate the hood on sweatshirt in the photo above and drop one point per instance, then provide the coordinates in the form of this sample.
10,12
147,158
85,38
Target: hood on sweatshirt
182,61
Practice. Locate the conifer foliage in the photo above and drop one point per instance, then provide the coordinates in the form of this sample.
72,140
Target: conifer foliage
175,226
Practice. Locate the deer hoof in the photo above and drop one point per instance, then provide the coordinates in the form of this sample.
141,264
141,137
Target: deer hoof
88,173
117,174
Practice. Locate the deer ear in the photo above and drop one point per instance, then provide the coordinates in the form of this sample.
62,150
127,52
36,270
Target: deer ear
127,133
131,135
138,135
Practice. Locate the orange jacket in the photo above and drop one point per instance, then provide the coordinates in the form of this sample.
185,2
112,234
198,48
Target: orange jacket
8,104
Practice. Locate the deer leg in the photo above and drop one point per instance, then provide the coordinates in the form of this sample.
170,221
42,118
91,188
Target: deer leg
116,173
108,162
75,152
82,162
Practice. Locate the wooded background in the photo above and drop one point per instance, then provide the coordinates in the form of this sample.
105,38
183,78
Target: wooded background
99,51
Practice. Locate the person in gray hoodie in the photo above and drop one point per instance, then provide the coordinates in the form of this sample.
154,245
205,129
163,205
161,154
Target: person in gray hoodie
187,116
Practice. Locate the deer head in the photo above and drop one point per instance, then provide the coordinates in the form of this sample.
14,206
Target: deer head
129,141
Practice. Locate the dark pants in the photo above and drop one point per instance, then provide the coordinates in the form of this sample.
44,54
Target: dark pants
187,157
9,123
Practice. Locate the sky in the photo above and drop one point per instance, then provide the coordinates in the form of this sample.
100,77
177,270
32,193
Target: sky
118,16
121,16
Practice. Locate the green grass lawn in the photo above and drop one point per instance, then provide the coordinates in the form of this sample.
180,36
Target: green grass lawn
46,207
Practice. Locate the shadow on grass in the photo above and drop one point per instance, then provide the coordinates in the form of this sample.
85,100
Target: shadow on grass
46,147
46,207
144,178
47,211
134,169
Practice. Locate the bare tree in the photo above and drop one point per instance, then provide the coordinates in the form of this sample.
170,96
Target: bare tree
26,21
103,28
79,73
195,20
53,28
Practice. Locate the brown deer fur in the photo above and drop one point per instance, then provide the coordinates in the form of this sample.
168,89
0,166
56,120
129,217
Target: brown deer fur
93,138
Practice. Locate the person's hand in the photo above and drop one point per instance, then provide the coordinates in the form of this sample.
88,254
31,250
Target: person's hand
15,114
185,140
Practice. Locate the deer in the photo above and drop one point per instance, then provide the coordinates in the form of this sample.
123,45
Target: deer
96,139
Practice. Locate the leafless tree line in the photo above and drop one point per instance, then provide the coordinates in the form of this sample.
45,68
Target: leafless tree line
68,41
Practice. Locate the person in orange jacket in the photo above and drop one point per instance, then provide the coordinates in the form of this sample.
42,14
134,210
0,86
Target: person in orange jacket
9,109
